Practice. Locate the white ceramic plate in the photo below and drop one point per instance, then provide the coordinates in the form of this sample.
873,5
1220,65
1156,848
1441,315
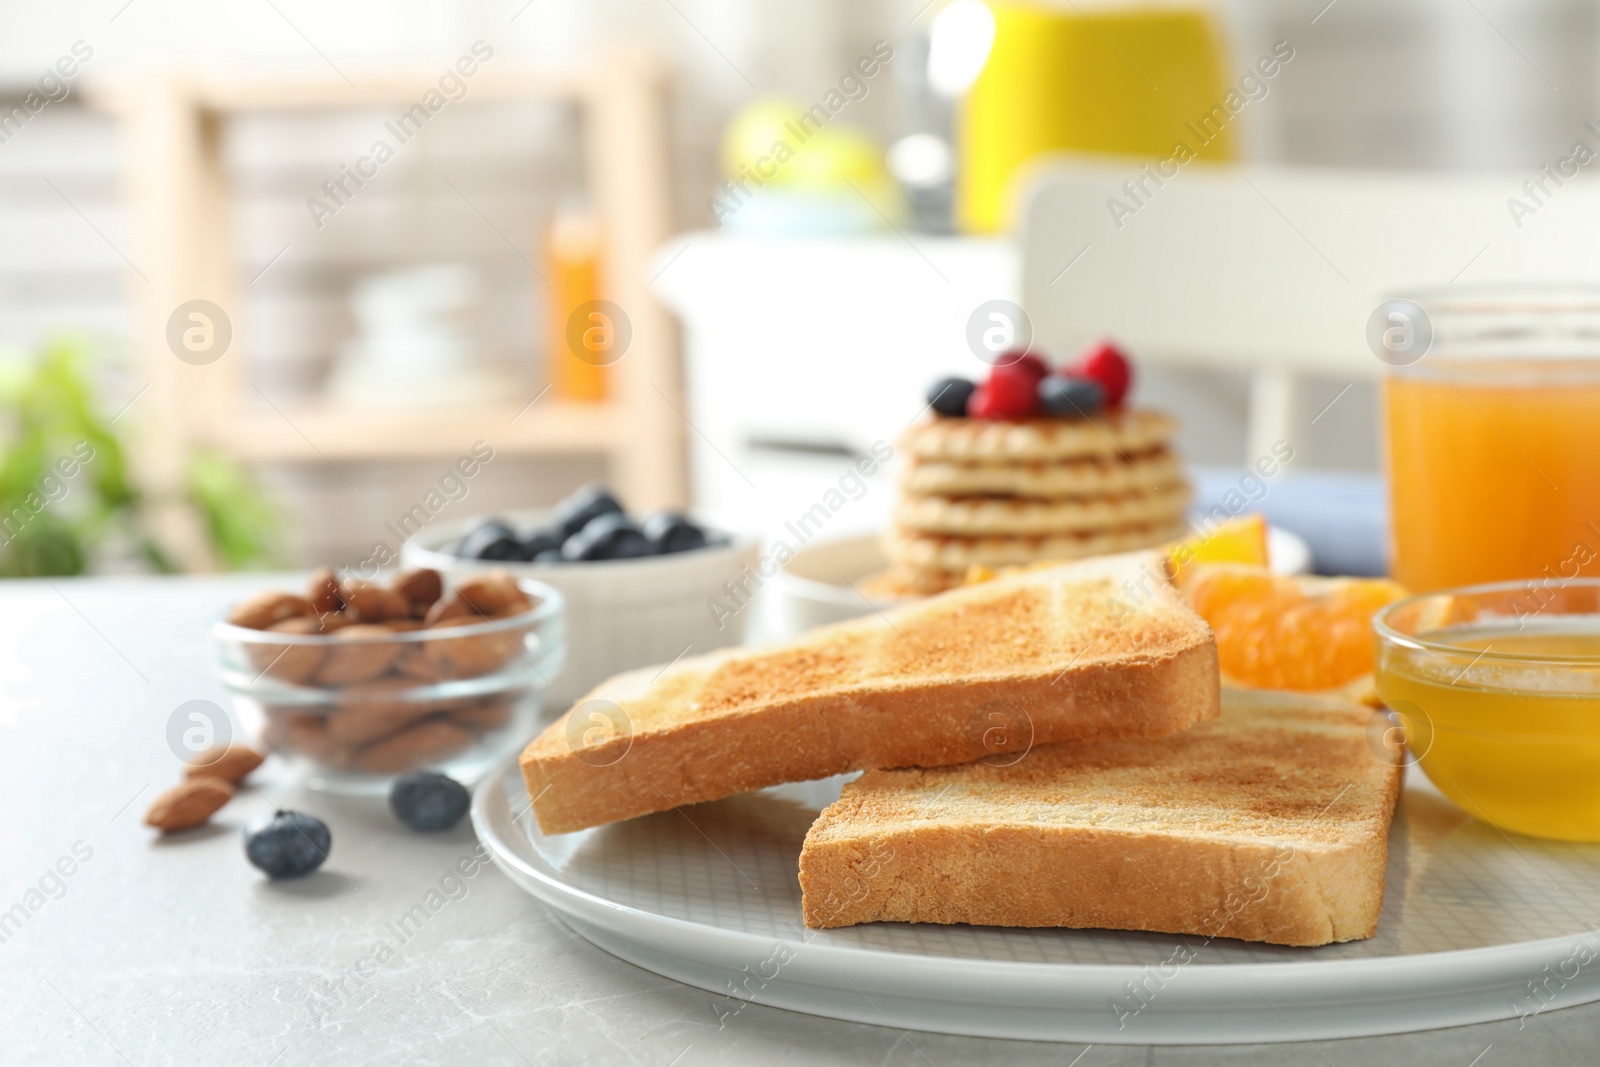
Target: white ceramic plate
1477,925
815,587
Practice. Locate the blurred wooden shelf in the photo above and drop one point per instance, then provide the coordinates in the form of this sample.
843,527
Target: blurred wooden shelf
179,186
547,427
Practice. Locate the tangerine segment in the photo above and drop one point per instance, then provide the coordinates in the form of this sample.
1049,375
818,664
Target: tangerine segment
1276,632
1241,540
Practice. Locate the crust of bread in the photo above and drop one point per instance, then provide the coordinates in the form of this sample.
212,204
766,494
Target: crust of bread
1268,824
1065,654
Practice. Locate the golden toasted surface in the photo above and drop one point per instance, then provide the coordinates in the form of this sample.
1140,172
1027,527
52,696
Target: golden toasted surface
1271,768
1269,823
1082,652
1037,624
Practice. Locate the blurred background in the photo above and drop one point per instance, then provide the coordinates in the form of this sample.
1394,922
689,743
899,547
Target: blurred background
281,265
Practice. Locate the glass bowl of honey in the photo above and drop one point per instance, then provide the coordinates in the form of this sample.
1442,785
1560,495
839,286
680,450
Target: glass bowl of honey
1497,691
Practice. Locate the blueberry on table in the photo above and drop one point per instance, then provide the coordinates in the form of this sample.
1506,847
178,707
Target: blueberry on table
669,531
550,555
949,396
582,508
287,844
537,541
1070,396
609,536
490,539
426,800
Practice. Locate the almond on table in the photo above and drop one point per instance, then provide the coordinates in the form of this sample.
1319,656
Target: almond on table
231,763
188,804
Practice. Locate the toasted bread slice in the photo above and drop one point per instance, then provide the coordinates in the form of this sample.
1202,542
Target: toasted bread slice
1269,824
1084,652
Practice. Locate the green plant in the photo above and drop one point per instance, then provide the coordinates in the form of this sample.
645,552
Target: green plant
65,494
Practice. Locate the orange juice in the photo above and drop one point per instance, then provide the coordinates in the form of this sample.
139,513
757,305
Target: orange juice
1493,473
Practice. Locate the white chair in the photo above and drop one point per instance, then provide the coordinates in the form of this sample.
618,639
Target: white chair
1275,271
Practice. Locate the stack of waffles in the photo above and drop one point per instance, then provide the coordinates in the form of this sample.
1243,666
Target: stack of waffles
980,493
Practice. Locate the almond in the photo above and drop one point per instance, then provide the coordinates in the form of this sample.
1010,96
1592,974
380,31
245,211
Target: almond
371,602
295,663
445,610
303,733
415,663
426,742
468,657
264,609
324,591
492,593
278,717
231,763
421,588
188,804
371,710
357,654
336,620
484,714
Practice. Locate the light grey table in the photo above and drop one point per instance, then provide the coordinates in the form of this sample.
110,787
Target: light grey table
153,952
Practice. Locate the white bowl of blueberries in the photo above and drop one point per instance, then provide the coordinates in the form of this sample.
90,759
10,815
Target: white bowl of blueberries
639,592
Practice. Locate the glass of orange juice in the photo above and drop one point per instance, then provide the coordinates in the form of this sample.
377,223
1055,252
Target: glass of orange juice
1492,416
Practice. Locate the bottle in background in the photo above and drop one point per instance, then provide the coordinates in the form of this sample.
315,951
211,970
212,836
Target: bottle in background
1138,80
572,257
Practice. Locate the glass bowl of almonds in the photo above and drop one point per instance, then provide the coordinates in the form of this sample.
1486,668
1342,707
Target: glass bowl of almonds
355,681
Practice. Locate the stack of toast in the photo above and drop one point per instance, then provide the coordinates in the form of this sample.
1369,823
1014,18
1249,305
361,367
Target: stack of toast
1037,752
976,492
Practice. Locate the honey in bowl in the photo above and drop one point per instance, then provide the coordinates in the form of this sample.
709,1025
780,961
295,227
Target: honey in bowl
1498,690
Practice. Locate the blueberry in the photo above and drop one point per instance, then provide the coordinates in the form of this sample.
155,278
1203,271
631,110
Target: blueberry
1070,396
288,844
949,396
670,532
581,508
424,800
609,536
550,555
490,539
537,541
